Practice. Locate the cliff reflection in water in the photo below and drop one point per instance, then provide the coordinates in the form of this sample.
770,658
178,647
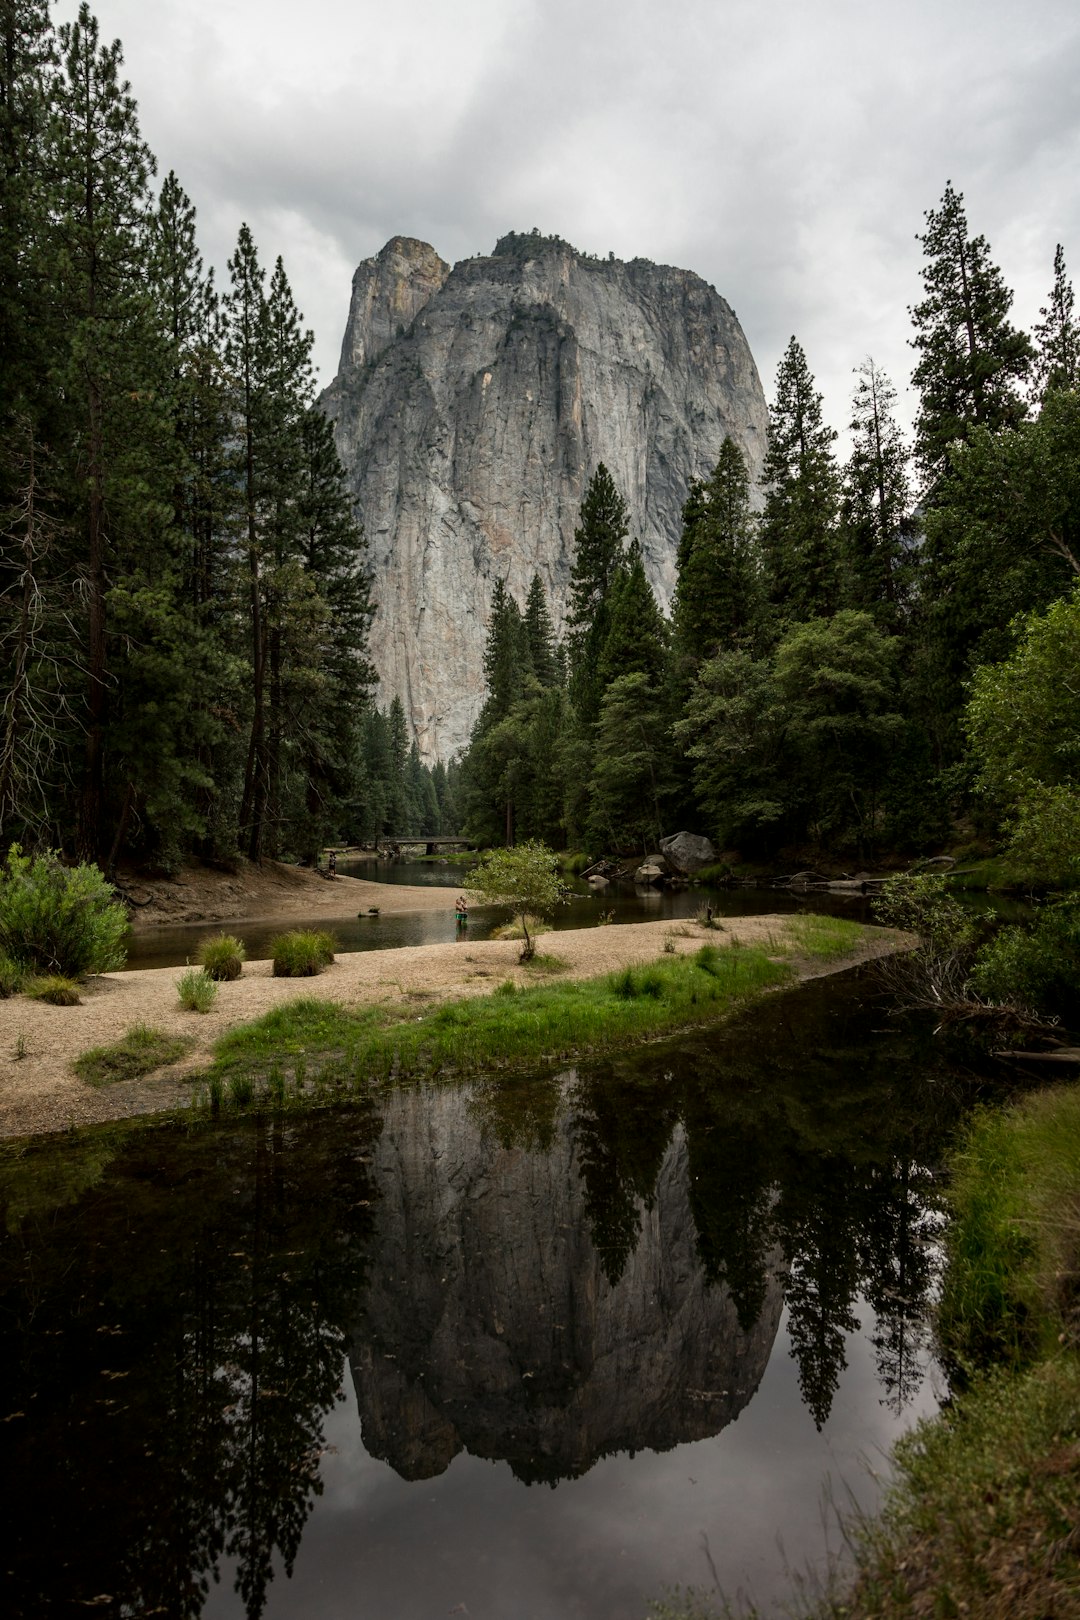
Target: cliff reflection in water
545,1306
542,1273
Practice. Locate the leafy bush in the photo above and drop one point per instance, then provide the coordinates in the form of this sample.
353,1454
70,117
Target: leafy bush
1036,967
197,990
526,879
302,953
59,919
11,977
141,1050
222,956
55,988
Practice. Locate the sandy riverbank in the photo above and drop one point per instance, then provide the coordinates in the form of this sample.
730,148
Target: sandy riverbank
39,1092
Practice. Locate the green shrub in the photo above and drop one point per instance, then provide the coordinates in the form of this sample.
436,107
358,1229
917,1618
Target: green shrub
59,919
197,990
708,960
11,977
141,1050
302,953
55,988
222,956
1036,967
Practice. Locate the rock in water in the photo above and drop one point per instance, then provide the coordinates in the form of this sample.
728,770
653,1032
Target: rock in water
472,407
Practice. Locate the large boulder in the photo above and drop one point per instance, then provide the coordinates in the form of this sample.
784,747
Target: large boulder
687,852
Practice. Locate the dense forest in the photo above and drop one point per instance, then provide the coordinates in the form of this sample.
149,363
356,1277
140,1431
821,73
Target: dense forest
853,661
185,595
184,590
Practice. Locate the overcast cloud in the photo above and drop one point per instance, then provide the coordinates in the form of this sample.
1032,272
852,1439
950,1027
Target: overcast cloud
784,149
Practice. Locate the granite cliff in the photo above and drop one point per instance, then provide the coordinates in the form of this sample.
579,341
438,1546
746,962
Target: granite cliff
489,1321
473,404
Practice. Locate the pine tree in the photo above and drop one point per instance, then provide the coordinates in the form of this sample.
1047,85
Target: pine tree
877,497
1057,338
506,655
107,369
636,641
973,363
798,529
246,360
717,594
541,634
598,556
26,55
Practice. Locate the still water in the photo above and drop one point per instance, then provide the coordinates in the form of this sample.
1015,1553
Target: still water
174,946
535,1350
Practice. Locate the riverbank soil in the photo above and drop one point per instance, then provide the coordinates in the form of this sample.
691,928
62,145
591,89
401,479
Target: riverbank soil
38,1043
265,891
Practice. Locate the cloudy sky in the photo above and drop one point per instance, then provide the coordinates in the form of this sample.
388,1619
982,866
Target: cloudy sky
786,150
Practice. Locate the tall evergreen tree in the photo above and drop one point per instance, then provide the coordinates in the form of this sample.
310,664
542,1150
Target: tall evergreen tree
799,523
599,543
636,640
107,368
541,634
717,594
973,364
26,55
1057,338
877,497
506,655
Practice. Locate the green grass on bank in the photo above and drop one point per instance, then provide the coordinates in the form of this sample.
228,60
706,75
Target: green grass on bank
824,938
141,1051
1012,1284
323,1049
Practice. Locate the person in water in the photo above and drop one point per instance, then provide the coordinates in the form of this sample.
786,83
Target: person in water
461,912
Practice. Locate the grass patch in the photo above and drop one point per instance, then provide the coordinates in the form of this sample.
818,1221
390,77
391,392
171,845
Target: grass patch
545,962
812,934
302,953
141,1050
222,956
54,988
1012,1284
514,930
348,1049
197,990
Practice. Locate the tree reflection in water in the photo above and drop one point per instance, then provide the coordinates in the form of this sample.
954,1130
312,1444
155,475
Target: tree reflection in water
176,1337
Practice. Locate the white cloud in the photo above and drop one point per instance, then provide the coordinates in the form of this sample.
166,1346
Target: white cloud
786,152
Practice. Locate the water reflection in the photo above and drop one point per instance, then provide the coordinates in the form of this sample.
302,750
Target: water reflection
542,1274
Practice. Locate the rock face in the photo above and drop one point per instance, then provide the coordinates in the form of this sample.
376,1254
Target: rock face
488,1321
472,407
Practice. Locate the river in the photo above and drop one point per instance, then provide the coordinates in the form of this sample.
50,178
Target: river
173,946
537,1350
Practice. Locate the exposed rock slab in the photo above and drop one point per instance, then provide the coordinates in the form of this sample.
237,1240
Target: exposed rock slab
473,405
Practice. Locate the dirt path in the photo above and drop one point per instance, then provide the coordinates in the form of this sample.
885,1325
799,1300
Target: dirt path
39,1092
